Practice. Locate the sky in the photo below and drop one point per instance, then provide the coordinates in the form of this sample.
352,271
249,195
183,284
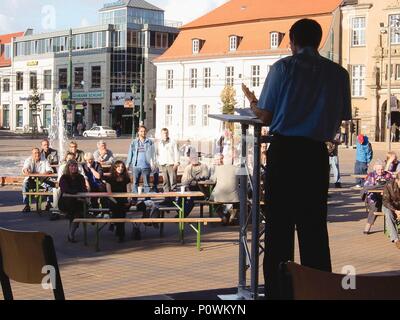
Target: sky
51,15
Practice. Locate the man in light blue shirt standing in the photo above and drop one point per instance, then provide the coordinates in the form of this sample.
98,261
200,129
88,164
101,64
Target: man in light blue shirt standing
141,157
304,100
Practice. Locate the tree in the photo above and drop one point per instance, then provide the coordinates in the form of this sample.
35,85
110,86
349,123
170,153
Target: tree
34,101
228,99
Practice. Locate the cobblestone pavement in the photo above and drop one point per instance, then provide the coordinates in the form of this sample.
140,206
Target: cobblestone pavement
154,266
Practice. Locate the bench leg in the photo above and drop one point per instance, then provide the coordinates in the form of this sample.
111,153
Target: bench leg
162,225
211,210
182,224
97,238
85,242
198,236
201,210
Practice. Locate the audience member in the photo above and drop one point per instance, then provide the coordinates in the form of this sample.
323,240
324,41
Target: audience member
94,175
391,208
34,164
168,160
79,154
378,178
102,154
364,155
72,182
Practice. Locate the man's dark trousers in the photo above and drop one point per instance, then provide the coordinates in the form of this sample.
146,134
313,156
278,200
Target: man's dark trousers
297,181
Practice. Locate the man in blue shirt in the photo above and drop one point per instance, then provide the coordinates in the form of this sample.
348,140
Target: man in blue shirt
141,157
304,100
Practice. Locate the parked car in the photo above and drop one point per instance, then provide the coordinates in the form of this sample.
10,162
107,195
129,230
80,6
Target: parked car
100,131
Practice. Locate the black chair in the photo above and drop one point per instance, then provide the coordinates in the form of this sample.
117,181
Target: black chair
22,258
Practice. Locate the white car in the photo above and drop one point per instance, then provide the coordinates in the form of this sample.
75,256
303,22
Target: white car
100,131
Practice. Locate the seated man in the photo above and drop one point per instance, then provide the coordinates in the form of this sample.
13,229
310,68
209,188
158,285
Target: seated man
391,208
94,175
226,189
102,154
192,174
79,154
377,178
34,164
48,153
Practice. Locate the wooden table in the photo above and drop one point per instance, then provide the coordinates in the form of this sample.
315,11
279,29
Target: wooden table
180,207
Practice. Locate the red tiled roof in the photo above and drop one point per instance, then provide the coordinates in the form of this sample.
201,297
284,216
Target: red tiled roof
255,39
249,10
6,39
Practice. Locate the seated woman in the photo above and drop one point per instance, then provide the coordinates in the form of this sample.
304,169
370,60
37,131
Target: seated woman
391,208
72,182
119,182
392,164
378,177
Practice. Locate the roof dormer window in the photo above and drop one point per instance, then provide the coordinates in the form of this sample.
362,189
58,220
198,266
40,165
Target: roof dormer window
195,46
275,40
233,43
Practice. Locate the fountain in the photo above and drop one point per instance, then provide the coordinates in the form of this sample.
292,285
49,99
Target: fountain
57,134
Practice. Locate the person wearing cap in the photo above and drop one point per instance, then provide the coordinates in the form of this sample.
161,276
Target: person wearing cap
364,156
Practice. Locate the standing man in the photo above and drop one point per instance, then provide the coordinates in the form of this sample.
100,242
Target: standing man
304,100
141,157
364,156
168,159
334,159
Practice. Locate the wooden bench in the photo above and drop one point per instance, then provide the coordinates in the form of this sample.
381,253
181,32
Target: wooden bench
199,221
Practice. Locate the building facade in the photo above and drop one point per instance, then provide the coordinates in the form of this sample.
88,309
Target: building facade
5,72
112,70
370,28
233,44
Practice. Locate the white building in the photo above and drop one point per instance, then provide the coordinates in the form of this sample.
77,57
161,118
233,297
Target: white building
108,61
233,44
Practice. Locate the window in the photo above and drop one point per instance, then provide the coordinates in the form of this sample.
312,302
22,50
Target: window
229,76
132,39
193,78
397,72
96,76
46,116
358,32
196,46
274,40
170,79
192,115
206,111
19,115
7,51
358,81
32,80
168,116
394,21
207,77
20,81
233,43
62,78
78,78
387,71
161,40
47,80
6,85
6,116
255,76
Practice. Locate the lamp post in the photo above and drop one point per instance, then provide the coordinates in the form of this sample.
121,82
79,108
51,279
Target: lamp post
133,90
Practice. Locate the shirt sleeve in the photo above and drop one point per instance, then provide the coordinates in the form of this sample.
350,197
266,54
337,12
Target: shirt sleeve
271,90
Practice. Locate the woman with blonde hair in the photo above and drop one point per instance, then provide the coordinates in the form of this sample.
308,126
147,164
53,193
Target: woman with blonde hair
392,164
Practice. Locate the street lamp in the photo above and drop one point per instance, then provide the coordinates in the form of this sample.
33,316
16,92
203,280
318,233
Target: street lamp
394,26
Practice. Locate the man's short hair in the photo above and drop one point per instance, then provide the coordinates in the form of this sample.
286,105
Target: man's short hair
306,33
35,148
73,143
164,129
142,126
88,156
100,143
45,140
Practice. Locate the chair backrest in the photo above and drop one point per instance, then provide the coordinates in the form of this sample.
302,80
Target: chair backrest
23,254
303,283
